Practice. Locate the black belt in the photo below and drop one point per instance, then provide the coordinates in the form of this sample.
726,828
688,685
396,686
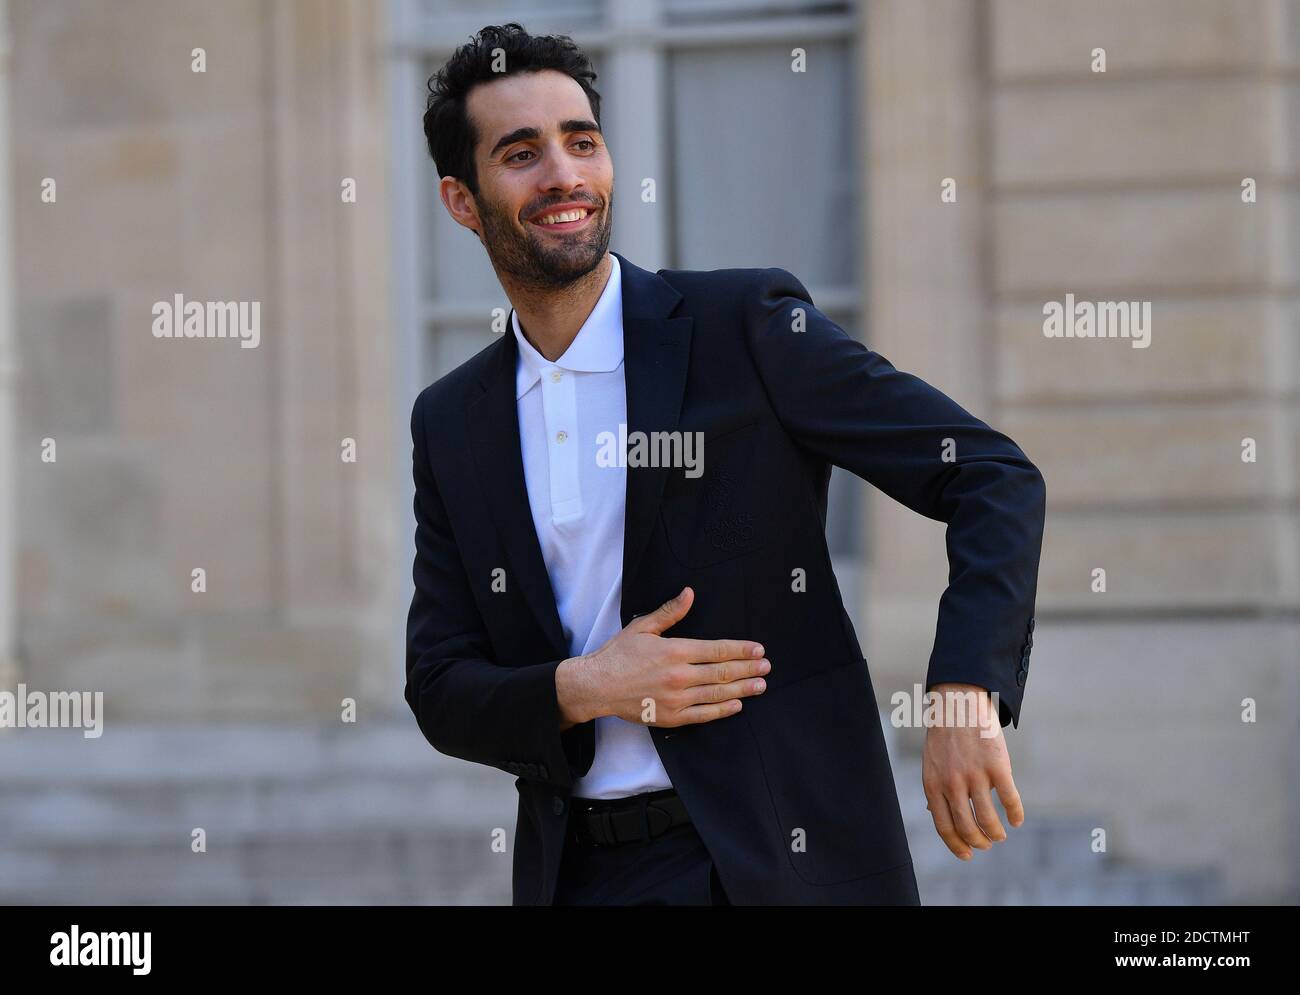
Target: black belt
634,819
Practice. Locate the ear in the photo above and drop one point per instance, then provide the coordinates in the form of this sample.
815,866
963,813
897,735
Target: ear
459,202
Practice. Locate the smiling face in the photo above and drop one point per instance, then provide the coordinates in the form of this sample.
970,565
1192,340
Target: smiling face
545,179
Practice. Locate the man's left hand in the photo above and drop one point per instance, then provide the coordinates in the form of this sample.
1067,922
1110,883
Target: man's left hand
961,762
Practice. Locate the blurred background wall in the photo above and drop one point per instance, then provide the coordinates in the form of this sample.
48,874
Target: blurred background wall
225,709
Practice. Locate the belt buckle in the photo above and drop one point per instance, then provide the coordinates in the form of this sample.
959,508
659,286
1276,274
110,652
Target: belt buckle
589,835
602,833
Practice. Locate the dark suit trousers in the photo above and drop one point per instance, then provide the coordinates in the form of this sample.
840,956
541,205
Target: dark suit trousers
673,868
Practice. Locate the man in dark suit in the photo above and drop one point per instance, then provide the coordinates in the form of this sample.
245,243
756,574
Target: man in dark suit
623,593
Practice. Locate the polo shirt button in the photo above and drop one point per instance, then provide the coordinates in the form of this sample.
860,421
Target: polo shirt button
561,436
556,376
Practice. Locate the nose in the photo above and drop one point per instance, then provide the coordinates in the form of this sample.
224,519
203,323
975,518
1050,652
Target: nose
561,173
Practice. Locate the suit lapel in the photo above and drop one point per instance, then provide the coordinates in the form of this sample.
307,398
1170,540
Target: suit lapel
656,350
494,441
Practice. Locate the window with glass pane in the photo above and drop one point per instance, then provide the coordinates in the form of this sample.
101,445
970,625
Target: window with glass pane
760,161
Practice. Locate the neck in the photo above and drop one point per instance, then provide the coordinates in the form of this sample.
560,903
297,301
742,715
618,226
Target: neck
550,319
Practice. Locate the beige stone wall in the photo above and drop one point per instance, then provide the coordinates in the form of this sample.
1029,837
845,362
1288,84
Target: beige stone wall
1123,185
225,185
8,371
220,185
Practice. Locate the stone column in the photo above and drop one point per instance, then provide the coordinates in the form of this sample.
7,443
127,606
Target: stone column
923,270
224,184
8,370
636,92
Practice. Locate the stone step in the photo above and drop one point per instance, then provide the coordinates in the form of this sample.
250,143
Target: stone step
443,868
1119,886
393,867
153,754
371,813
168,812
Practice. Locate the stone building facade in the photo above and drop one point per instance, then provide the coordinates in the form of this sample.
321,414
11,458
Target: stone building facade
228,184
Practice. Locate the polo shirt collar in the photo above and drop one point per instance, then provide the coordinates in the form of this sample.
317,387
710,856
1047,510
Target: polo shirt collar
597,348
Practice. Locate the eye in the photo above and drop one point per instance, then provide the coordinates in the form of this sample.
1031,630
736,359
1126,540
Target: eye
518,154
585,141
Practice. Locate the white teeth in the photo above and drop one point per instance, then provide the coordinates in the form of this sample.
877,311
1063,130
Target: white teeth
552,219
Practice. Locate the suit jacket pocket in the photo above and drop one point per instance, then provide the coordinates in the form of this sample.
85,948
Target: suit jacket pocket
824,758
716,515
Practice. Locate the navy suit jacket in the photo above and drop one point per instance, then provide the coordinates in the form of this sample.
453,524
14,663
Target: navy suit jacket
793,795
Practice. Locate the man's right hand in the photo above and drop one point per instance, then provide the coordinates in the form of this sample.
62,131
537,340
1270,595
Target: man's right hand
642,676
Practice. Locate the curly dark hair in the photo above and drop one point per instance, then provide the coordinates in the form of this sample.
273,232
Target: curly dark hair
447,127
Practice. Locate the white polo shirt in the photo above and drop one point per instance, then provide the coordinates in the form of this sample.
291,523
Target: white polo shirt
578,511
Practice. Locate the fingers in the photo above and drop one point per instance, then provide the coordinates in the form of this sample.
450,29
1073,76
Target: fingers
945,827
715,650
1010,797
986,816
721,674
967,828
949,803
747,687
673,611
695,714
717,700
666,615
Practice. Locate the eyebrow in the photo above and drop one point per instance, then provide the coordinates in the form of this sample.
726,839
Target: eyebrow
520,134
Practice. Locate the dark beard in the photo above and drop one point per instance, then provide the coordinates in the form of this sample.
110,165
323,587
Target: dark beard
530,260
